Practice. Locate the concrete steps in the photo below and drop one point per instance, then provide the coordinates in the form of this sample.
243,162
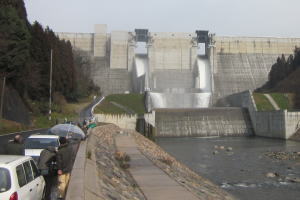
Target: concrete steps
202,122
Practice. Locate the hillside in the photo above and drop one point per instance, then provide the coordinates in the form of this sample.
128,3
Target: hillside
25,60
284,77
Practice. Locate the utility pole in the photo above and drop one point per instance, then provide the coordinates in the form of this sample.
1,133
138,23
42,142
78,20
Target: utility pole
50,88
2,97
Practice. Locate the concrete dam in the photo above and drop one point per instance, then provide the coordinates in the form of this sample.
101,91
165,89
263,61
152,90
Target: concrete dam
180,72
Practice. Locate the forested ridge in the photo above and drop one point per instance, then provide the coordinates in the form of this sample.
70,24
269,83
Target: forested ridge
25,58
284,76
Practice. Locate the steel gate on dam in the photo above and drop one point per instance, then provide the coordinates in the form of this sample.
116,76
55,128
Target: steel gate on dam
185,73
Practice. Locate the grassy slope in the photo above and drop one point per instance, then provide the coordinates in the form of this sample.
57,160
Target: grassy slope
262,103
7,126
69,111
134,102
282,100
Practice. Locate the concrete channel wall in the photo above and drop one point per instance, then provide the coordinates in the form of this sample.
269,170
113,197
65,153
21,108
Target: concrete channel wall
84,183
202,122
275,124
123,121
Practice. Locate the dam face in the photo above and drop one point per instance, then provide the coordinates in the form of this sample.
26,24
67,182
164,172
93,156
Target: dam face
172,71
183,71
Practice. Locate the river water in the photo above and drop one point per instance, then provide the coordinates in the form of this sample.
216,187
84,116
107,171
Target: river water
243,170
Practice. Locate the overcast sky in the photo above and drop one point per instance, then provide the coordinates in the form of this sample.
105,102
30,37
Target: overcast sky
223,17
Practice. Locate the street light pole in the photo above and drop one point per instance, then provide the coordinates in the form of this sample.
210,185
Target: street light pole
2,97
50,88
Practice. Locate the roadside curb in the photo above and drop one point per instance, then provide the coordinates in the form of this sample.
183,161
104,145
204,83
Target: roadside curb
75,189
83,183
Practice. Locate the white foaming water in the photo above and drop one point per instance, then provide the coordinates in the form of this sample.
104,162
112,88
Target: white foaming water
202,100
158,100
178,99
140,63
204,74
175,100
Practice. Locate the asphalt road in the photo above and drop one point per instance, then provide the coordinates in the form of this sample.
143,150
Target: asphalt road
5,138
86,113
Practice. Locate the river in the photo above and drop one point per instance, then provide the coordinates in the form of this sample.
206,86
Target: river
243,170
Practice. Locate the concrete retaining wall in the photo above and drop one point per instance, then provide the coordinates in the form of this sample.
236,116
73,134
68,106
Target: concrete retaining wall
202,122
292,123
123,121
276,124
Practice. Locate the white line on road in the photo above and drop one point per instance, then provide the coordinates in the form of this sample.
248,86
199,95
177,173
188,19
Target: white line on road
22,132
92,110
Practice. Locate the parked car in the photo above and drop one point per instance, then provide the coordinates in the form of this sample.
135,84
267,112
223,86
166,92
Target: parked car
36,143
20,179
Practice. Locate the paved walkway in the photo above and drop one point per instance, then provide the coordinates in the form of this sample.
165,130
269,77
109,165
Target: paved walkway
155,184
271,100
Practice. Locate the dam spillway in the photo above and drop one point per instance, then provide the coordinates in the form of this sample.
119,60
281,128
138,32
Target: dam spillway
172,72
235,64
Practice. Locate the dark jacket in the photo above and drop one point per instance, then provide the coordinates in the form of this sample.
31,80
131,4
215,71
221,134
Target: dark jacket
14,148
47,156
64,158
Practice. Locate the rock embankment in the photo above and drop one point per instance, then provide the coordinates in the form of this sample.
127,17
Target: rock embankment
117,183
199,186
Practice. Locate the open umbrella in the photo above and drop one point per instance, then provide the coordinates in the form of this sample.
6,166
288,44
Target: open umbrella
69,131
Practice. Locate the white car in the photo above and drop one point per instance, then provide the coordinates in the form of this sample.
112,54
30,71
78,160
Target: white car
36,143
20,179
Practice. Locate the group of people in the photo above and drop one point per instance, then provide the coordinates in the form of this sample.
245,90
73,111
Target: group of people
51,162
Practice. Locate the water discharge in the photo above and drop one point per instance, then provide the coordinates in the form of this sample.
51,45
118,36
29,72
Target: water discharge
197,97
203,81
141,64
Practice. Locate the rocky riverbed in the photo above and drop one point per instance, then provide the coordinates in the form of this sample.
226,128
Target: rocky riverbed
117,183
282,155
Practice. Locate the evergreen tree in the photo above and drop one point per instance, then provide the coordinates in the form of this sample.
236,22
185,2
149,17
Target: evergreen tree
14,43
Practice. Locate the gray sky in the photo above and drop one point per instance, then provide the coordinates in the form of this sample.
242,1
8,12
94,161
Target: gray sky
223,17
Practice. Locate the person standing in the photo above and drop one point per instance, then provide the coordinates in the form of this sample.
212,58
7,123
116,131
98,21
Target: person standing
15,147
64,166
46,165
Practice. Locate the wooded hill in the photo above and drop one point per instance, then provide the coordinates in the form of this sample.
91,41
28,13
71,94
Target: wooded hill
284,77
25,58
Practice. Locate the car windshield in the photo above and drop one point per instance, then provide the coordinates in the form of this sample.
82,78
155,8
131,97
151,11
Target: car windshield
40,143
4,180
